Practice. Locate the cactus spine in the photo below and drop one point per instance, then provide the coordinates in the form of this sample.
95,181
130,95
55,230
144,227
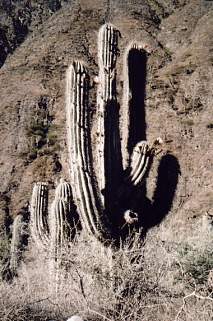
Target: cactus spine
85,190
39,211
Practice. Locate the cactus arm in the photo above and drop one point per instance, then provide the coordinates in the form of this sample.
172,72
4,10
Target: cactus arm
84,185
107,52
141,160
64,191
139,163
59,235
59,229
39,212
141,171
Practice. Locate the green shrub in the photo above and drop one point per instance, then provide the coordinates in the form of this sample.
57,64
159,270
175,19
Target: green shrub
43,139
198,266
37,129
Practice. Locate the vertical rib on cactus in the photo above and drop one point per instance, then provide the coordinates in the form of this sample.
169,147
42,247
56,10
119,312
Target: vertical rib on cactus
141,159
39,212
62,223
16,243
108,145
59,235
84,185
108,51
64,191
59,229
139,163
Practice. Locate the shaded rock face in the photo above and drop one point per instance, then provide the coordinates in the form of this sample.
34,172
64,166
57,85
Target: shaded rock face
39,39
21,17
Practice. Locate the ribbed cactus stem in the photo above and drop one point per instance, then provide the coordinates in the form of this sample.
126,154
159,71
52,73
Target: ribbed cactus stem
64,191
39,213
16,242
59,235
139,163
61,219
106,102
107,54
59,228
84,185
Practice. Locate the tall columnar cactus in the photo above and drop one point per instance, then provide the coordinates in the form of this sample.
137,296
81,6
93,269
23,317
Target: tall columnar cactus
18,229
95,197
39,214
85,192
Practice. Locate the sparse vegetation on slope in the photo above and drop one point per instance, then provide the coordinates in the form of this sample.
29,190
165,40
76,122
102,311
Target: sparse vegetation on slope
163,280
169,274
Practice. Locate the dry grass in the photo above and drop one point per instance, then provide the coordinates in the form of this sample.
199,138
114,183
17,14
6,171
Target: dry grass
168,278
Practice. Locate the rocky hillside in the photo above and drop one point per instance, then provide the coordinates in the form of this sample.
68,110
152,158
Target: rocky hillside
38,40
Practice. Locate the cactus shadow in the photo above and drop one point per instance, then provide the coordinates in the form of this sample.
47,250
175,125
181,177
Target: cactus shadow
113,160
151,213
137,65
126,194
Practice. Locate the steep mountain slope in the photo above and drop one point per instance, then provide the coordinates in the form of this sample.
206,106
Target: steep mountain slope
178,100
18,18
